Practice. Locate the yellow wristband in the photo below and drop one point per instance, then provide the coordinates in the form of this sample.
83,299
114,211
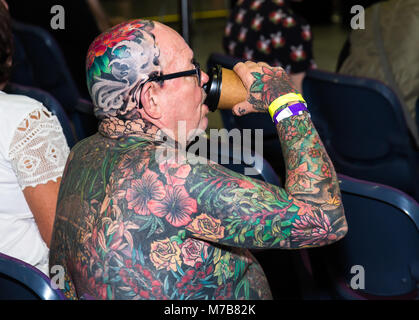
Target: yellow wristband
282,100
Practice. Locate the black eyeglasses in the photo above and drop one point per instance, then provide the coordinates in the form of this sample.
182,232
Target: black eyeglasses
196,71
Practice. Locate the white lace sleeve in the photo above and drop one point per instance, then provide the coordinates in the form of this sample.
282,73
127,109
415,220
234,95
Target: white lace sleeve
38,150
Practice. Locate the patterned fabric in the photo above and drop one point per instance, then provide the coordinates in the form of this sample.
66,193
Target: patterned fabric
38,150
268,30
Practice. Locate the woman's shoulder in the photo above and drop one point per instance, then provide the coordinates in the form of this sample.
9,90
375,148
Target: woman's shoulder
14,107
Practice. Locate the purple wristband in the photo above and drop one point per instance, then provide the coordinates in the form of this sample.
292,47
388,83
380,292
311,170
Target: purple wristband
292,110
297,107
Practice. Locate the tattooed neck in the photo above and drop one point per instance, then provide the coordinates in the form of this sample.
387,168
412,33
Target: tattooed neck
117,128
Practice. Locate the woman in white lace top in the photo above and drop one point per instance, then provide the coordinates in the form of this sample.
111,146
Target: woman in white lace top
33,152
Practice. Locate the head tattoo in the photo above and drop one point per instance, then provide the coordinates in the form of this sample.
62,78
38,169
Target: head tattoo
118,62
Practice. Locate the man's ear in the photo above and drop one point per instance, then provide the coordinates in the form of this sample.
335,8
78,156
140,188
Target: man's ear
150,101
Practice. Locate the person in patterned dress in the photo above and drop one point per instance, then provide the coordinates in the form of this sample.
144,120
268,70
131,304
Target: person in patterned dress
269,31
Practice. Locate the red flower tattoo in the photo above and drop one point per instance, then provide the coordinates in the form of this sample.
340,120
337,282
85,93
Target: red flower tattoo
176,206
144,190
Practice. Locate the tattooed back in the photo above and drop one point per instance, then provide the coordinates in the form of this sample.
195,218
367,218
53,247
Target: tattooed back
130,226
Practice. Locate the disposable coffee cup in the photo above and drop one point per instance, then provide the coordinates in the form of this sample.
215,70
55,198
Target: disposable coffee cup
224,89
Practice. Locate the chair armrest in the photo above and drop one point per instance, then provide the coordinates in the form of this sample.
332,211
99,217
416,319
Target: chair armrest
384,193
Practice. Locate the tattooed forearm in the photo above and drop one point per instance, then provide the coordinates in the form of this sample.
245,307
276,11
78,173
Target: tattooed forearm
311,177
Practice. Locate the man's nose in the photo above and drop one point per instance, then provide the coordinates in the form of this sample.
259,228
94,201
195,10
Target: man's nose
204,78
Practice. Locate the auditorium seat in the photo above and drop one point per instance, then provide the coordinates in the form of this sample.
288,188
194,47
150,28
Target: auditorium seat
21,281
378,259
362,126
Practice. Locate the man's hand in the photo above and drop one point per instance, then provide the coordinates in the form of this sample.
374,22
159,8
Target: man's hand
263,83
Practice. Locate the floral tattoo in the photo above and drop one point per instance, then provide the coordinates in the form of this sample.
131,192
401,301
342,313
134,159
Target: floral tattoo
131,226
269,85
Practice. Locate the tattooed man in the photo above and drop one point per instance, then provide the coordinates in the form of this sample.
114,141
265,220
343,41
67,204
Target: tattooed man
135,223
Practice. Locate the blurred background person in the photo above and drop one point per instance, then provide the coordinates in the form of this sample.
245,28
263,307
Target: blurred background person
387,50
345,10
269,31
33,152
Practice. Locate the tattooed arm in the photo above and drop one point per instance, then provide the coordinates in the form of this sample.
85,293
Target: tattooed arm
309,211
225,207
220,205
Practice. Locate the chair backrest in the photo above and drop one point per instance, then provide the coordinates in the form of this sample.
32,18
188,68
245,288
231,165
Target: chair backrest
42,55
50,103
21,281
39,62
271,145
362,126
382,239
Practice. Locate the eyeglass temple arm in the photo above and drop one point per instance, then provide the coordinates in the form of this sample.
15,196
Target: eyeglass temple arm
173,75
